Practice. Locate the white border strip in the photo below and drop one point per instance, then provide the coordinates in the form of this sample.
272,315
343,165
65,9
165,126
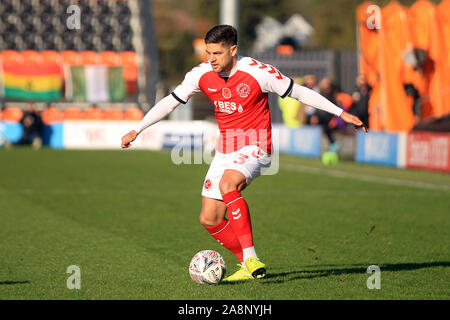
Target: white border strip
401,150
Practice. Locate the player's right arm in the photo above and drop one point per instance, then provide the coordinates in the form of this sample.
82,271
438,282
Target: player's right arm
165,106
159,111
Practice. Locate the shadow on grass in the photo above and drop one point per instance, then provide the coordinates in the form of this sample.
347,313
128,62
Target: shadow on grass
357,269
14,282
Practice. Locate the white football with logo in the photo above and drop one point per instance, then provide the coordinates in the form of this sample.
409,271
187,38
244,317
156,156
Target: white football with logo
207,267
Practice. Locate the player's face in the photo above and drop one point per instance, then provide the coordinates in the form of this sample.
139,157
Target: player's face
222,57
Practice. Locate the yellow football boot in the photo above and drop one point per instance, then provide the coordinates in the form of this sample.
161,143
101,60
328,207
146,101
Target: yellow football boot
240,275
255,267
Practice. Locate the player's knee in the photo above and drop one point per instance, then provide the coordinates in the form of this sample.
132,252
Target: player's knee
207,219
226,186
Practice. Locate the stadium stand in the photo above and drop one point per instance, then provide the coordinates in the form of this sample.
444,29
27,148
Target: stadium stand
93,114
87,73
51,57
52,115
110,58
90,57
30,57
73,113
70,57
133,114
38,33
41,25
10,56
113,114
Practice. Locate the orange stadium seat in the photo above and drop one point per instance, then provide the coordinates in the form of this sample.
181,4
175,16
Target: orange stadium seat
52,115
110,58
12,114
128,57
128,60
10,57
51,57
130,73
31,57
90,57
70,57
113,114
133,114
93,114
73,114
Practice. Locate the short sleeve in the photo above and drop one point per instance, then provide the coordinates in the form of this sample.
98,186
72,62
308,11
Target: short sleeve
276,82
188,87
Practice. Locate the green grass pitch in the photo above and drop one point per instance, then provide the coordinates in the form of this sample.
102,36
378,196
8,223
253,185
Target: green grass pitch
129,220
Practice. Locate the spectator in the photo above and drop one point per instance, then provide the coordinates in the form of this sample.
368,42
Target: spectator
322,118
361,96
32,127
310,81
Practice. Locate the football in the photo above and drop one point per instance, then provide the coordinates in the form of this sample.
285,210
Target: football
207,267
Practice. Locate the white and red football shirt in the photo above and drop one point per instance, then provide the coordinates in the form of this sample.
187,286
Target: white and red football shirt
240,101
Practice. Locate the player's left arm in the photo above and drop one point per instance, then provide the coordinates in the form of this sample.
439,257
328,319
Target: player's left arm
284,86
316,100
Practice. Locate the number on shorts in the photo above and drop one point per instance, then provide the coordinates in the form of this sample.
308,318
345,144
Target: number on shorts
257,153
241,159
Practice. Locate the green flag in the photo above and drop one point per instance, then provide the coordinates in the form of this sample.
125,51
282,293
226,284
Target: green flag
95,84
116,84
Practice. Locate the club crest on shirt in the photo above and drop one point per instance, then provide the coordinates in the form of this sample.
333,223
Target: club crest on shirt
226,93
243,90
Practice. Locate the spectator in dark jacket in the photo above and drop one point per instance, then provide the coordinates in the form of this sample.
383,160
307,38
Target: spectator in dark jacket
32,127
361,96
322,118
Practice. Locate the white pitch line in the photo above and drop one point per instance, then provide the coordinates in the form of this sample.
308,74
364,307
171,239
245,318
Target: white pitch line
364,177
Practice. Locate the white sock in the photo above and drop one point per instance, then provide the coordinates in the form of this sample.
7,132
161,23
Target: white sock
249,252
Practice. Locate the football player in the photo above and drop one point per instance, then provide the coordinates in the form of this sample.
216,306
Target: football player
238,87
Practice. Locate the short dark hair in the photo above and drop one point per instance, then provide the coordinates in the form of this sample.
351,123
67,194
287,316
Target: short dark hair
222,34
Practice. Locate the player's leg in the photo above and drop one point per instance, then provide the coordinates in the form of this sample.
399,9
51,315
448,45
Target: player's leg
212,217
212,212
231,185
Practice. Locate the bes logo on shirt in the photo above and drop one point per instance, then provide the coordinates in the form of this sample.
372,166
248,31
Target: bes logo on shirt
228,106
